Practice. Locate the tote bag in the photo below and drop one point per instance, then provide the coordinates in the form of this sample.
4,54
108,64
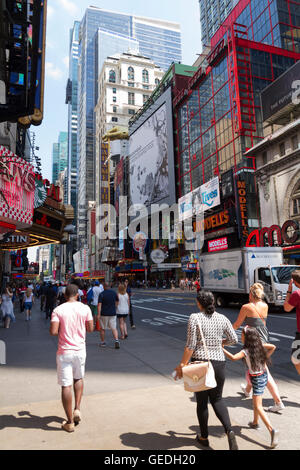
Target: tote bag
199,376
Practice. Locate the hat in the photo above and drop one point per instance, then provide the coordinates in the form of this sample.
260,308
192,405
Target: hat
97,283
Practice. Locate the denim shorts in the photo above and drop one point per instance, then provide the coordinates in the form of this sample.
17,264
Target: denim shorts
259,383
28,305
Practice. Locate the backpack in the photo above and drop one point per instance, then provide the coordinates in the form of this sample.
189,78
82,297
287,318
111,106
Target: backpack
90,296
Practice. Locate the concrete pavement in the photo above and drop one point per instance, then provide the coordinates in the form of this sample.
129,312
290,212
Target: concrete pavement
130,401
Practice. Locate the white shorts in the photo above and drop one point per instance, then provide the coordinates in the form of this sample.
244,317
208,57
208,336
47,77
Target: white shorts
108,323
70,366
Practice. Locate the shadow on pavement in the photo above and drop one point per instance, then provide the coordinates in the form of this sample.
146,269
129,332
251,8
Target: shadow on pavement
30,421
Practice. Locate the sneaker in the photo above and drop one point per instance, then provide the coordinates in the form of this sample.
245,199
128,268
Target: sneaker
243,387
117,345
277,407
69,427
102,345
133,327
253,426
274,438
232,441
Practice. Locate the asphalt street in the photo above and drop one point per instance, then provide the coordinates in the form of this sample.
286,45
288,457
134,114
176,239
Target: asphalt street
168,312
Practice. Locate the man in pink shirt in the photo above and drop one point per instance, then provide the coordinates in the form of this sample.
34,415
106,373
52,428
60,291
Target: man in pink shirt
70,322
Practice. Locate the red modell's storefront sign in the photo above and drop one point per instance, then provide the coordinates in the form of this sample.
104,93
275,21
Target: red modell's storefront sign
17,185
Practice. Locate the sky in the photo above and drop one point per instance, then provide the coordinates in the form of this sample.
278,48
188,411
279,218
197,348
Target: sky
61,17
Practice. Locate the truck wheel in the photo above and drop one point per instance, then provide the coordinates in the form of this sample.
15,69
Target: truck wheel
220,301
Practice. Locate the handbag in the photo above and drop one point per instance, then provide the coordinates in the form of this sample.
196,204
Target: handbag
199,375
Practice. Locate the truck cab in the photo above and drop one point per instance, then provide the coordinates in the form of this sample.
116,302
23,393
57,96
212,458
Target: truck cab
275,280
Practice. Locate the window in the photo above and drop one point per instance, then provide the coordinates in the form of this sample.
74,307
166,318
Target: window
114,90
130,73
145,76
131,98
146,87
112,76
114,109
295,142
296,201
114,119
157,81
145,98
264,158
114,99
131,111
130,84
282,149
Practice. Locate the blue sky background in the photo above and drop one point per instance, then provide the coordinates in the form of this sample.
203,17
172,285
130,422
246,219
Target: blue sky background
61,16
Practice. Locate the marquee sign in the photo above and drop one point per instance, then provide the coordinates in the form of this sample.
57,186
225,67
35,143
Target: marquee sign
288,233
17,185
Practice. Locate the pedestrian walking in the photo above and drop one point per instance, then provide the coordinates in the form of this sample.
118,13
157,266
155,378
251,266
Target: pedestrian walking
130,294
97,289
28,301
7,307
257,356
107,314
70,322
50,300
293,300
214,326
123,310
197,285
255,314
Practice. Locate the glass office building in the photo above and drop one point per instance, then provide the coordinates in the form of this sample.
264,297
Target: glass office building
59,155
221,117
72,102
158,41
212,15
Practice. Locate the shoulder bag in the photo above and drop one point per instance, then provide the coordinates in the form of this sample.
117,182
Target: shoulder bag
199,375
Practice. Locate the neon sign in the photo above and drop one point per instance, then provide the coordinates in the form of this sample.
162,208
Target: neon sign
288,233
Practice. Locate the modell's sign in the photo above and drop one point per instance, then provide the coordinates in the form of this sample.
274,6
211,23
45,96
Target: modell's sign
17,185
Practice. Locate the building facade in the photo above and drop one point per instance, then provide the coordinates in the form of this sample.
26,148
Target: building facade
59,155
212,14
72,102
162,39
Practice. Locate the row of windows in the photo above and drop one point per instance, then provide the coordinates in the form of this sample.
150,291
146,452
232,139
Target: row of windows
130,76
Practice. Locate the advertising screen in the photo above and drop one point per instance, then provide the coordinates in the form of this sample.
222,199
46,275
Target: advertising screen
151,155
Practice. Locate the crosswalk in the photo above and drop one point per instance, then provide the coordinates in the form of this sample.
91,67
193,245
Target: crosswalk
174,318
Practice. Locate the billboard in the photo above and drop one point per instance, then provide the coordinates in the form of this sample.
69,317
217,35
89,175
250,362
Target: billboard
280,93
151,155
201,199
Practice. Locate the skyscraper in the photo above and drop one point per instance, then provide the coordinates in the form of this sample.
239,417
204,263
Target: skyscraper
159,40
212,15
72,102
59,155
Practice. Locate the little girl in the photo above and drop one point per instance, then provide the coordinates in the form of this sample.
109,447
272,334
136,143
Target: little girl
256,355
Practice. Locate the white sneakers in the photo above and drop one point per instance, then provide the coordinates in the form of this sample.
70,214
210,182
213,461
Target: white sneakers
243,387
277,407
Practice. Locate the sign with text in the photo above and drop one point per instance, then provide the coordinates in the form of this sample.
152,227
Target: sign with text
218,245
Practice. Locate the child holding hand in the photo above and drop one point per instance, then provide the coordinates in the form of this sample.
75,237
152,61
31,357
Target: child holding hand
257,357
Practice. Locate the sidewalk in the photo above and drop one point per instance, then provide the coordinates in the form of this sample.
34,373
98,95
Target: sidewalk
130,401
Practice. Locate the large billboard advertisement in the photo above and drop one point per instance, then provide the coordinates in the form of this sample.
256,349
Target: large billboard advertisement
151,155
281,93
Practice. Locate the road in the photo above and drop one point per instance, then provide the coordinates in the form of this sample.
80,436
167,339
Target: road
168,313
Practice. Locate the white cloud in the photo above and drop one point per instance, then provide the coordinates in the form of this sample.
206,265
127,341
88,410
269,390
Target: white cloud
50,12
66,61
69,6
53,72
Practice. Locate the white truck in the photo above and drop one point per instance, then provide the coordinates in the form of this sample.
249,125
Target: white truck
229,274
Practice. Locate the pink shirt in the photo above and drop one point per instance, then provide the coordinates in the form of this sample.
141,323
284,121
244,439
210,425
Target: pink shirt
295,301
72,318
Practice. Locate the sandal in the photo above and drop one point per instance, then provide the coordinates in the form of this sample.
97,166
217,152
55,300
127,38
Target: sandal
69,427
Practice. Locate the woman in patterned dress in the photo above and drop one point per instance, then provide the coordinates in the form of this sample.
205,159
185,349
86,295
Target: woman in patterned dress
214,327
